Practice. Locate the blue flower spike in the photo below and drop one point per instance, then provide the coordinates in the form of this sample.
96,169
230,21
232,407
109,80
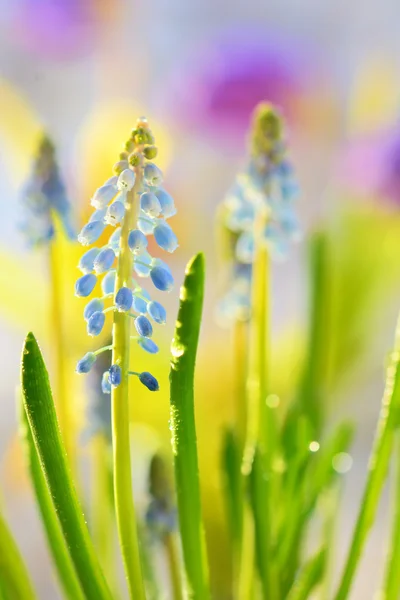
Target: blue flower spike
263,193
133,193
43,197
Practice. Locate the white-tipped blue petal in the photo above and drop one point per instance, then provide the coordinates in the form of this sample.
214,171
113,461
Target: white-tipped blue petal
126,180
98,215
167,203
157,312
139,305
143,326
95,305
150,204
137,241
148,345
114,239
158,262
91,232
289,223
108,282
245,248
165,237
162,278
123,299
115,375
146,223
86,263
85,285
152,175
115,213
86,363
104,260
142,264
95,323
105,383
103,196
149,381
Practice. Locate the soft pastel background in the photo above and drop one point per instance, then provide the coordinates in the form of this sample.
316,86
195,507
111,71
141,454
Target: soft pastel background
83,70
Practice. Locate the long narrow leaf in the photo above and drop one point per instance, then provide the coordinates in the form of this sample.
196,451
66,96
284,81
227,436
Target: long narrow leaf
309,577
183,430
14,578
41,414
55,539
378,469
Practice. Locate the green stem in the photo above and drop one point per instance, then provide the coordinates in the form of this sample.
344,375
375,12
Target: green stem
392,581
41,414
103,507
124,505
171,551
247,558
55,539
240,348
14,577
63,403
378,468
183,430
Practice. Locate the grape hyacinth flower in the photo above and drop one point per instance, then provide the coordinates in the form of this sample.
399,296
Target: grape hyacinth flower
44,198
134,200
258,209
123,202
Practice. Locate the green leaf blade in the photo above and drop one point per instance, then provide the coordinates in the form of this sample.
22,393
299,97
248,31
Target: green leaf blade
40,411
183,429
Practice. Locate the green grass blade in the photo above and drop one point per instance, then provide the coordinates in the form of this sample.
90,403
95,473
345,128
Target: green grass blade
309,577
14,578
40,411
377,471
183,430
55,539
233,486
392,575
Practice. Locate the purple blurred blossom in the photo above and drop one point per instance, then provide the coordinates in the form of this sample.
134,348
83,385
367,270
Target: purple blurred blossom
217,89
371,165
53,29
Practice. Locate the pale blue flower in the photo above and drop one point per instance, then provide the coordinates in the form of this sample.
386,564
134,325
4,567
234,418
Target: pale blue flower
167,203
115,213
157,312
149,381
105,383
137,241
165,237
108,282
104,260
95,323
150,204
98,215
86,263
85,285
153,175
142,264
86,363
146,223
161,278
143,326
123,299
148,344
91,232
114,239
95,305
126,180
103,196
115,375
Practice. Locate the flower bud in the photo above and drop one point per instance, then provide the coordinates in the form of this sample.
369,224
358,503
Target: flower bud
157,312
85,285
103,196
104,260
143,326
137,241
96,323
150,204
149,381
165,237
86,363
86,263
91,232
123,299
161,278
115,375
